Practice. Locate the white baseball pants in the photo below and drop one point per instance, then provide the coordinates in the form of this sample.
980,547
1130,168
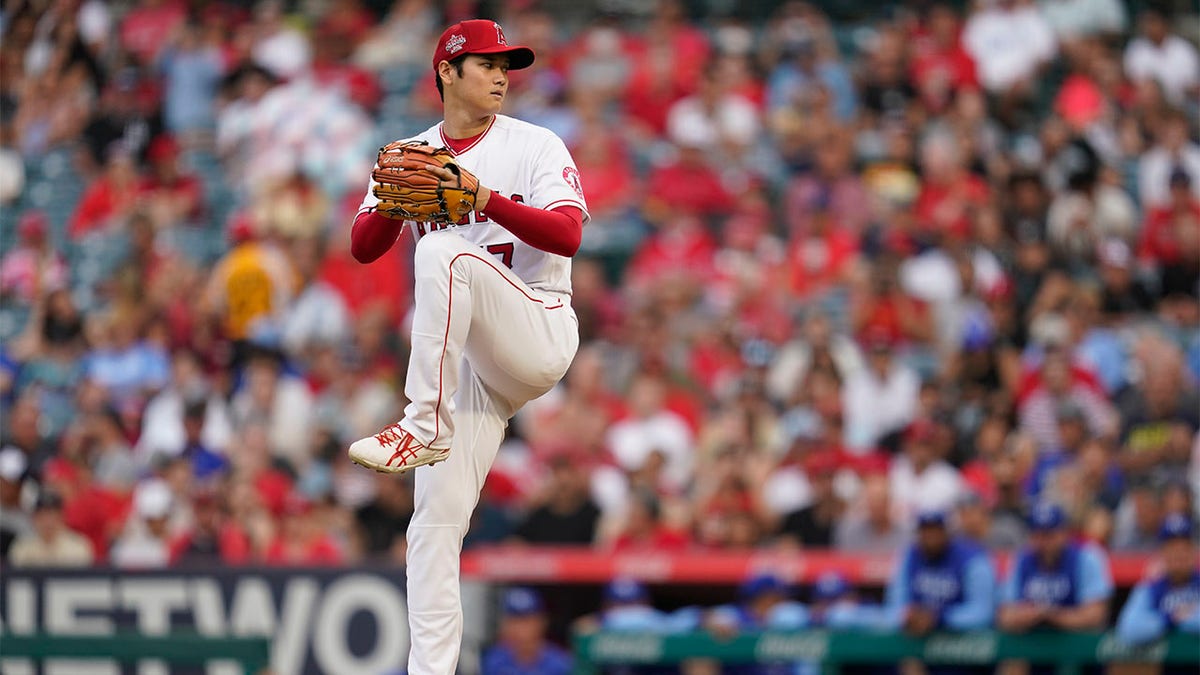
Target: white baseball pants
483,344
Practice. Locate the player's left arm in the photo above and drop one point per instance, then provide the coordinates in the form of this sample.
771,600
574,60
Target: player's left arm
979,601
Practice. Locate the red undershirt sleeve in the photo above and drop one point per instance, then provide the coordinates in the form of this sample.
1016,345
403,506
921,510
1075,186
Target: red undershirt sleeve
372,235
558,231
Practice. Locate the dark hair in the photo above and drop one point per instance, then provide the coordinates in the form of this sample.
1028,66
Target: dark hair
457,62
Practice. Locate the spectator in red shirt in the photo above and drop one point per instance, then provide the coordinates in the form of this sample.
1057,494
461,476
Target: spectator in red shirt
1166,225
171,196
89,509
110,198
214,539
949,192
821,254
681,250
302,539
940,66
686,186
644,528
606,171
148,27
667,70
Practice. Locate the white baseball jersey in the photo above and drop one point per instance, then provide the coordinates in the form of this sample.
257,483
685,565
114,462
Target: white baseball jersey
527,164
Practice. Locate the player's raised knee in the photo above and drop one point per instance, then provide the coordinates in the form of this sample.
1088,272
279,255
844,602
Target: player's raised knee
438,249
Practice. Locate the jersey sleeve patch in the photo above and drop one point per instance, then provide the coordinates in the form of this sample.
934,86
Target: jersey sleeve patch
571,175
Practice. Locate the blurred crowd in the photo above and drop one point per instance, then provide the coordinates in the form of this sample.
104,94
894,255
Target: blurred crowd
842,268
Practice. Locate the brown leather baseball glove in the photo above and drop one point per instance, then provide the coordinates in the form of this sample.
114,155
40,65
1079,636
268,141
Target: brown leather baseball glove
407,190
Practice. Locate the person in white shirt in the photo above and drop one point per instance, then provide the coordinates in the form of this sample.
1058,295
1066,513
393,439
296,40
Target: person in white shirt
1009,40
1075,19
878,399
1173,151
1168,59
652,429
920,480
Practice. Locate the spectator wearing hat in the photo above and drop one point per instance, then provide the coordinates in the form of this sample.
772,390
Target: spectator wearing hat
522,648
942,582
1055,582
14,519
51,543
32,267
1169,598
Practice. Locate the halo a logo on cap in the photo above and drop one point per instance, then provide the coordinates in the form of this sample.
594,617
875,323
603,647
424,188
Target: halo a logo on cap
455,44
500,34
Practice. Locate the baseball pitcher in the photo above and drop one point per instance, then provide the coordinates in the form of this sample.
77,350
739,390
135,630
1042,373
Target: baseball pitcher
497,210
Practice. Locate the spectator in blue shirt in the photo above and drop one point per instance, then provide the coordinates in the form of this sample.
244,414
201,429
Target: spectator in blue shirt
1169,599
1055,582
942,583
523,649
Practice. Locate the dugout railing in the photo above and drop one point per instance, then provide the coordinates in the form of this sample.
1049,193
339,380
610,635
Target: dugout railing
1069,653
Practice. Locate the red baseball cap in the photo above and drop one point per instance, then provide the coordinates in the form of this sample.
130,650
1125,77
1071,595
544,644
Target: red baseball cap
480,36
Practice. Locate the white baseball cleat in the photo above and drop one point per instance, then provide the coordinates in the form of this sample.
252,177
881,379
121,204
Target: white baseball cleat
394,450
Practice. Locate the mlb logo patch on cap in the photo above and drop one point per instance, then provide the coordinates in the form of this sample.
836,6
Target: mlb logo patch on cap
480,36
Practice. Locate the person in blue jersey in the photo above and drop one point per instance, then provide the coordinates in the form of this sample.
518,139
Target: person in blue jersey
627,608
523,648
1055,582
1168,599
834,603
943,582
764,603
